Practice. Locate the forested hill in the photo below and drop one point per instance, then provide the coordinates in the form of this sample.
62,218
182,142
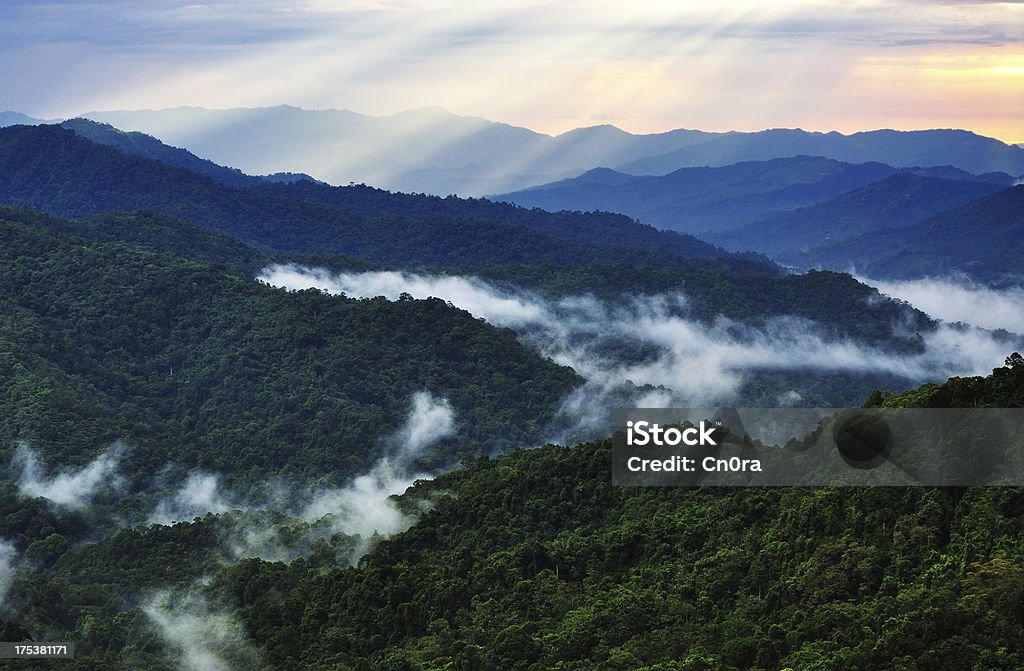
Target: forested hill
54,170
161,233
898,201
837,302
147,146
702,199
982,238
564,570
594,227
1004,388
534,560
193,366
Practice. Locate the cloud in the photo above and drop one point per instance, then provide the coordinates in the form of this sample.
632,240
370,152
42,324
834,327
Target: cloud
647,350
430,420
362,508
70,489
201,638
960,299
199,495
198,637
482,299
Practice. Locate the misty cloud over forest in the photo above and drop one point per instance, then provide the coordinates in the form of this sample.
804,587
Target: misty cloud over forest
361,508
678,360
71,488
197,637
960,299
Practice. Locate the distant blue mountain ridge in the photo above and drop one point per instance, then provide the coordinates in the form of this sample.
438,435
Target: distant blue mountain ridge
433,151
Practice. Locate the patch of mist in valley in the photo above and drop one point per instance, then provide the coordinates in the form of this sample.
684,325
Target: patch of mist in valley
362,510
201,493
329,525
197,636
647,351
290,521
959,298
70,489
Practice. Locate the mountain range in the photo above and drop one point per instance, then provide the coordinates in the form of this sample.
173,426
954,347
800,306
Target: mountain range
703,200
903,149
711,201
813,212
779,207
433,151
353,228
58,171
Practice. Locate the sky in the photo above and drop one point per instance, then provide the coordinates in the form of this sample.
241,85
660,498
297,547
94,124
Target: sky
645,66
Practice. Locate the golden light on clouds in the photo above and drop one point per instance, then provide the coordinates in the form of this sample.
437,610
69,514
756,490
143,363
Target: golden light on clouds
981,90
646,66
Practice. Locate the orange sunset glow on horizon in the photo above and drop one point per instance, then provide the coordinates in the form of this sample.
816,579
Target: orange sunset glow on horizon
646,68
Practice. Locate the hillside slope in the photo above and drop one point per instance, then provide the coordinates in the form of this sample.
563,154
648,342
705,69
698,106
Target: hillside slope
534,560
701,200
982,239
194,366
897,201
55,170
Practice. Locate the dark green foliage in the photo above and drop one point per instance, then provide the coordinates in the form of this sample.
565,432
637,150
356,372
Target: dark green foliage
538,562
193,365
1004,388
149,230
601,228
25,522
160,233
13,632
534,560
